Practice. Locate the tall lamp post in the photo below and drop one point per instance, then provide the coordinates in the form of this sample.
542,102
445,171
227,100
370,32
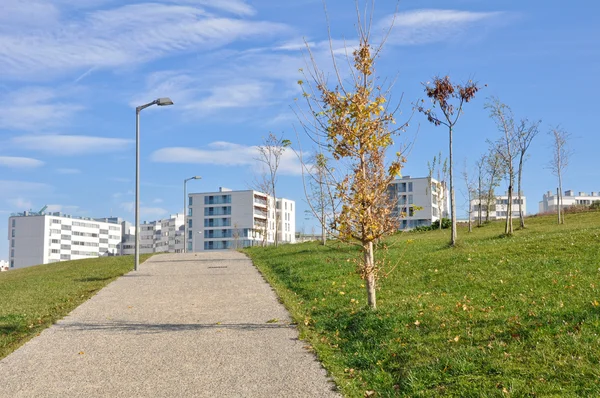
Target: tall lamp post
185,238
160,102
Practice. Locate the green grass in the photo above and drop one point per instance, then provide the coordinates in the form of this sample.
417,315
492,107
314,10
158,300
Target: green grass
494,317
33,298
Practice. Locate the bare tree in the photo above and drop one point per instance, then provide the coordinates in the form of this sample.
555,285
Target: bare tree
450,98
270,153
559,162
480,195
354,125
319,192
525,134
441,169
471,190
494,173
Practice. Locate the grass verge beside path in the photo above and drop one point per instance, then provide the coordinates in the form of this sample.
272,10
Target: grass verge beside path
33,298
495,317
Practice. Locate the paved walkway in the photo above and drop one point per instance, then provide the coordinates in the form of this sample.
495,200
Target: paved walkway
183,325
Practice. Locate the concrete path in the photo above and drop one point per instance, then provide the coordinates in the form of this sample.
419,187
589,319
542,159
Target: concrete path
183,325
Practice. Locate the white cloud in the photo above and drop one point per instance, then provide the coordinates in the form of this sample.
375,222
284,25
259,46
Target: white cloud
123,36
20,203
68,171
432,25
149,212
35,108
61,208
239,7
66,145
19,162
225,154
11,188
248,94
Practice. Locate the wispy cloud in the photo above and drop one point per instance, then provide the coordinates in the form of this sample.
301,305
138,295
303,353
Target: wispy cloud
432,25
19,162
71,145
238,7
145,211
20,203
125,35
225,154
35,108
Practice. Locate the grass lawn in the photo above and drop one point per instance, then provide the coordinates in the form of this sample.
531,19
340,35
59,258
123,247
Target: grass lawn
494,317
33,298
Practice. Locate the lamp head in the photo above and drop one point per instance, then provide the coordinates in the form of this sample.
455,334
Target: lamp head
197,177
164,101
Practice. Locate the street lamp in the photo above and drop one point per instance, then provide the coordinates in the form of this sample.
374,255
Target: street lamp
160,102
185,212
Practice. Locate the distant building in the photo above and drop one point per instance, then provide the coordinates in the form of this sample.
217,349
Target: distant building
159,236
549,201
498,207
426,193
233,219
36,238
3,265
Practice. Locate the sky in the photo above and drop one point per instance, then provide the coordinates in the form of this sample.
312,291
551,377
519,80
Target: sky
73,73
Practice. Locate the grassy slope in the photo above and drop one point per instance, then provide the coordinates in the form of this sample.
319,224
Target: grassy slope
33,298
496,316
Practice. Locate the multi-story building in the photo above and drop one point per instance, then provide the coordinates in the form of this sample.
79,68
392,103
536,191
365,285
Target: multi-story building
420,201
36,238
233,219
3,265
549,202
159,236
498,207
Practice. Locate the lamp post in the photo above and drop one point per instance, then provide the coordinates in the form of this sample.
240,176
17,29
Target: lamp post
185,212
160,102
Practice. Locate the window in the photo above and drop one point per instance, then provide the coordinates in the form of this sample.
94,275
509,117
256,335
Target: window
65,247
12,243
189,211
410,187
14,223
12,263
12,252
13,233
189,234
410,199
65,227
190,223
104,231
55,221
189,201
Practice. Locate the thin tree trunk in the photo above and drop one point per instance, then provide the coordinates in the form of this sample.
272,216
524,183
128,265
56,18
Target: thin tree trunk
521,215
508,227
370,274
323,229
560,197
452,204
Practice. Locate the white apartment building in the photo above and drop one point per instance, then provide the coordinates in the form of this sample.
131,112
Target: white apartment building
36,238
3,265
427,193
233,219
159,236
498,207
549,202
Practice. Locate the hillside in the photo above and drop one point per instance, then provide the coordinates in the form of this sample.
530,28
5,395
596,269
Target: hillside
33,298
496,316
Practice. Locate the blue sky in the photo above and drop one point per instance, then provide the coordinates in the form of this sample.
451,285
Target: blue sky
73,74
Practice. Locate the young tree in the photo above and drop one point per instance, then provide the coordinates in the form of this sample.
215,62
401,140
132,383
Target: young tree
506,149
441,168
450,98
480,194
494,172
526,132
319,193
471,193
559,162
270,153
354,125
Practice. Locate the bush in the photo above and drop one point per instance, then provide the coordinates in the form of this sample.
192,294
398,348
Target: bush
446,223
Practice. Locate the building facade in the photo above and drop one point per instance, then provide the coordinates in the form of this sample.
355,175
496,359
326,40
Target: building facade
3,265
549,202
498,207
233,219
36,238
159,236
419,201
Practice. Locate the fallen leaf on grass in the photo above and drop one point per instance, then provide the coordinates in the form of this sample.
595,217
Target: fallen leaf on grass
274,320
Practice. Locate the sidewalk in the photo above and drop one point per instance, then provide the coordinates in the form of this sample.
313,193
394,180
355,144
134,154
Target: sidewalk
183,325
